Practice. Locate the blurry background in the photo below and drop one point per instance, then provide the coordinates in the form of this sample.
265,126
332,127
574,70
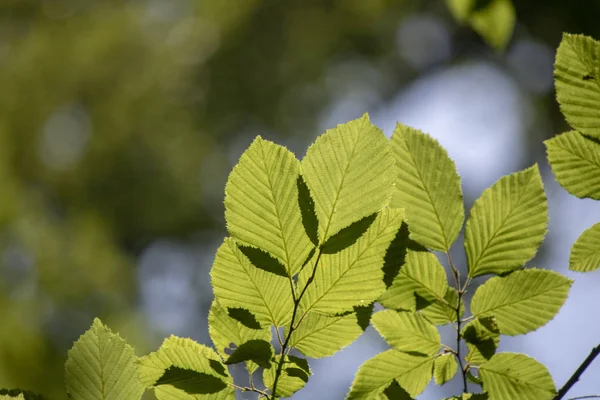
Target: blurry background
120,121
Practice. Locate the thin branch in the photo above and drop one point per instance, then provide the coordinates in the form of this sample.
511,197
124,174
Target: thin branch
578,372
591,396
284,347
248,389
458,337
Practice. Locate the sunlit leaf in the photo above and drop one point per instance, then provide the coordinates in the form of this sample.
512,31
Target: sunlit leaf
322,335
510,376
102,365
522,301
239,284
494,21
187,359
261,203
350,173
407,331
225,331
428,188
422,278
295,374
353,276
577,80
575,161
444,368
482,336
506,224
585,254
412,372
443,312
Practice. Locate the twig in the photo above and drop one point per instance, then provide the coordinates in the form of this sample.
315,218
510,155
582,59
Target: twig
577,374
249,389
460,292
591,396
292,329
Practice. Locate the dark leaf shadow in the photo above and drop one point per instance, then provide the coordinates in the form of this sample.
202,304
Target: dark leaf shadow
363,315
395,254
307,210
28,395
191,382
348,236
217,367
483,338
396,392
244,317
256,350
263,260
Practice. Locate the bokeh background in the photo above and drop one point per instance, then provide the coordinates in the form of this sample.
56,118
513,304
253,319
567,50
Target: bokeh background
120,121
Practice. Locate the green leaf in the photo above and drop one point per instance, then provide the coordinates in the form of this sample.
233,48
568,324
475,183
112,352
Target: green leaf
469,396
322,336
482,336
522,301
20,394
239,284
509,376
189,381
102,365
294,375
421,278
261,203
17,397
506,224
407,331
350,173
585,254
494,21
255,350
412,372
395,392
443,312
577,80
226,331
428,188
178,354
353,276
575,161
444,368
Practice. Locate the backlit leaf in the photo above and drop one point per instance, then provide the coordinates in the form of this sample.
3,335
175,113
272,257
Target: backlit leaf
421,278
506,224
239,284
294,375
494,21
321,335
256,350
575,161
443,312
353,276
412,372
522,301
482,336
577,80
407,331
428,188
585,254
182,356
102,365
510,376
261,203
444,368
350,173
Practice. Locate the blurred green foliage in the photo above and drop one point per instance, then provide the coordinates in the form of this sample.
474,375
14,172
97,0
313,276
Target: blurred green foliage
116,120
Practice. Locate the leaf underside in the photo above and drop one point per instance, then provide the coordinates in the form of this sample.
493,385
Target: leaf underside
407,331
506,224
509,376
522,301
585,254
428,188
575,161
577,80
444,368
102,365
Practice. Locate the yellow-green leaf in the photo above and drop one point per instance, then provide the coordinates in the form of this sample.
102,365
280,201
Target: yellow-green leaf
444,368
585,254
428,188
506,224
407,331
